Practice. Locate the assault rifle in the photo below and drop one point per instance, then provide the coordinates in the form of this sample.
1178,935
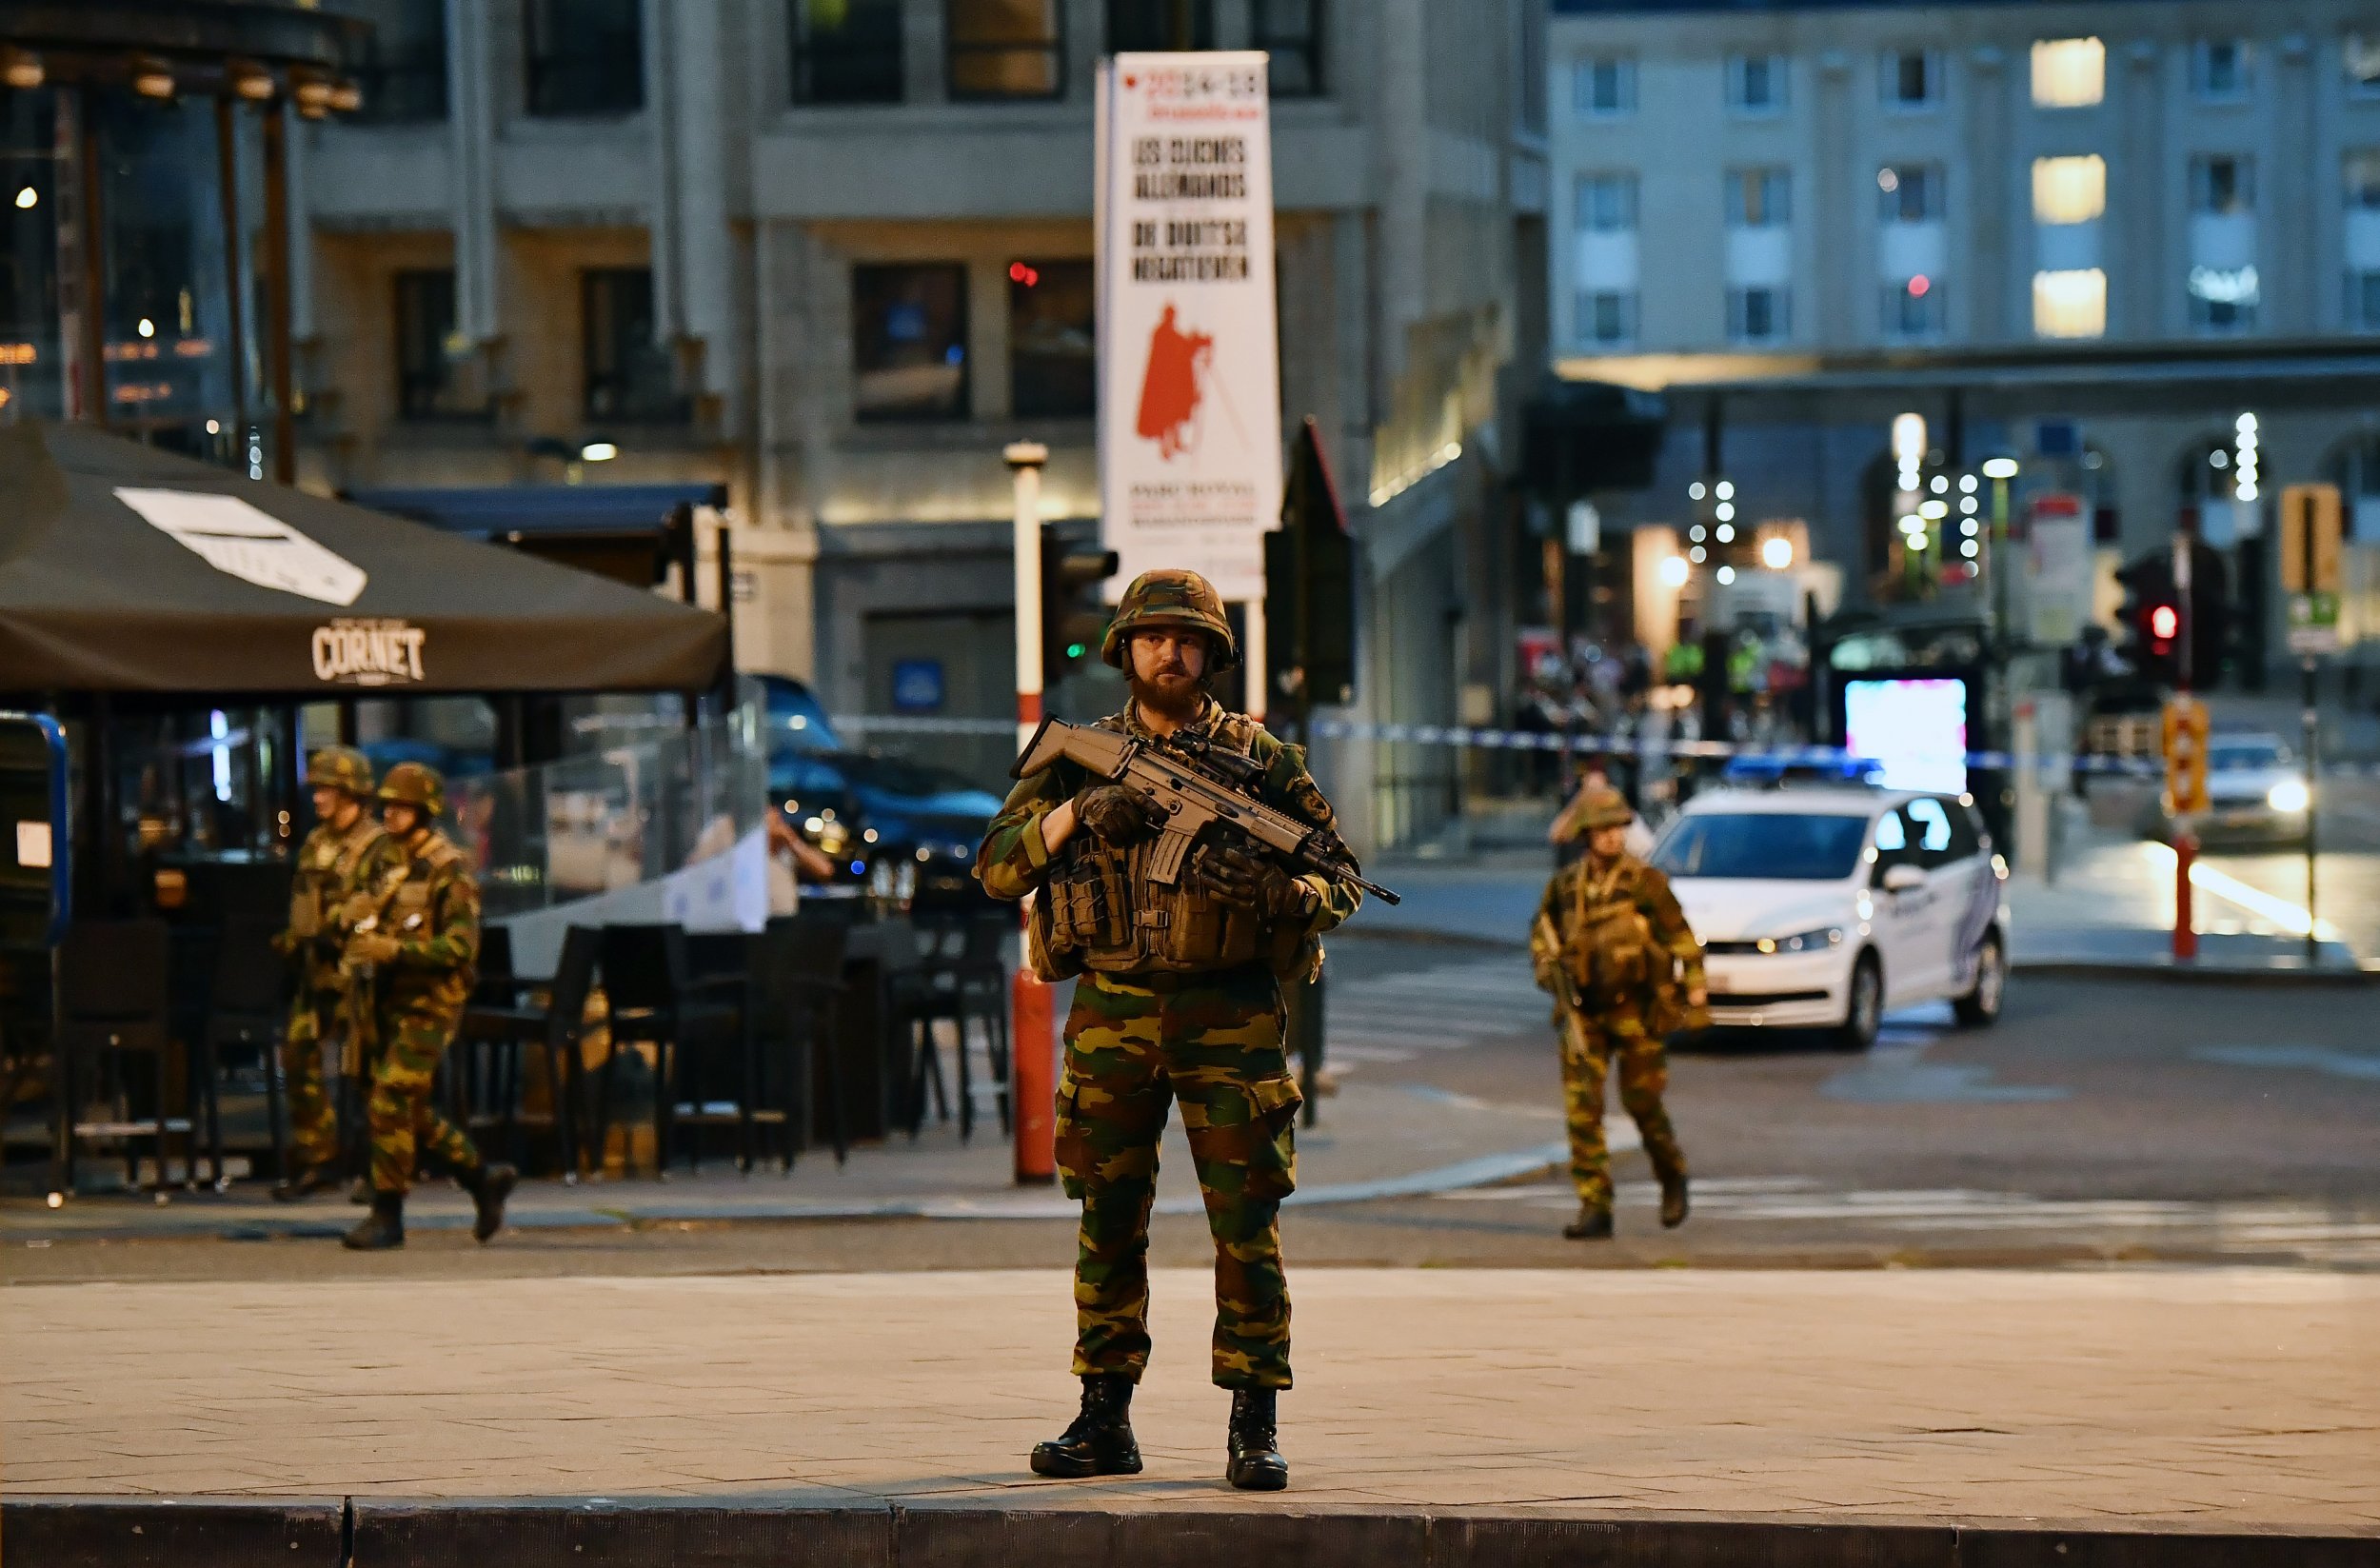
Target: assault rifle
361,998
1178,780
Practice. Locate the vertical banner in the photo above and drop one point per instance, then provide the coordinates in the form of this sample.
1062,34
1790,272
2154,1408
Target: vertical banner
1190,446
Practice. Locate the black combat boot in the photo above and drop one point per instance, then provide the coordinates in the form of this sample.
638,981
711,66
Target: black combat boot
1256,1463
304,1183
382,1229
1100,1443
1593,1224
488,1185
1673,1201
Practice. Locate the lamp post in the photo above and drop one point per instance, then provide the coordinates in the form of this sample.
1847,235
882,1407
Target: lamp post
2001,471
1034,1064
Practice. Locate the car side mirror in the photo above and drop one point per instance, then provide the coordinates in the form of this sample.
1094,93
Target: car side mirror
1903,879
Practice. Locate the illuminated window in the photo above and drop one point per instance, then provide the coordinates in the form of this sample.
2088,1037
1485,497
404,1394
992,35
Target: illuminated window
1006,49
2068,189
1603,90
2069,72
2070,305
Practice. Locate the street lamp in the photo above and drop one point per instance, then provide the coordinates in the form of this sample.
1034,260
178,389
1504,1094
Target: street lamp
1776,552
574,455
2000,471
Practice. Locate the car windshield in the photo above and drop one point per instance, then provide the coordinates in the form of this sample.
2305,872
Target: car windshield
2246,756
1768,845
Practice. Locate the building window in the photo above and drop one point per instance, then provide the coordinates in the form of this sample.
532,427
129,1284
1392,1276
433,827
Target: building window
1535,88
428,385
1915,312
1758,198
584,57
630,375
2069,72
2069,190
2220,69
2363,239
2222,185
402,71
2070,304
1607,203
847,51
910,341
1909,194
1912,79
1149,24
1756,84
2360,53
1291,33
1052,350
1607,317
1760,314
2223,284
1603,90
1006,49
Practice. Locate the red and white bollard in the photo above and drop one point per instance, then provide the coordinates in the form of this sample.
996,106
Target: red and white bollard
2184,919
1033,1055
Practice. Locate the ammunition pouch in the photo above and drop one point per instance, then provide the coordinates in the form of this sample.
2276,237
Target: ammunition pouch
305,915
1611,955
1107,915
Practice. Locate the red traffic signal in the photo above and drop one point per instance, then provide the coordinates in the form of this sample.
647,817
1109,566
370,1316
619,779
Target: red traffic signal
2165,623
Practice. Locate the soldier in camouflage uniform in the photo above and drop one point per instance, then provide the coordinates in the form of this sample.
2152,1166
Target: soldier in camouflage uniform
1179,999
344,857
1613,946
421,946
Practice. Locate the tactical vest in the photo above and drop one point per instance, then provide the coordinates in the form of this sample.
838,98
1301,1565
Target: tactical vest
1098,910
1608,945
409,917
324,872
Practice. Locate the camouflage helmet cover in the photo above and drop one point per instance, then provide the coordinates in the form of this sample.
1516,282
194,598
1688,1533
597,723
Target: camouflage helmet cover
1171,596
340,768
1603,806
410,783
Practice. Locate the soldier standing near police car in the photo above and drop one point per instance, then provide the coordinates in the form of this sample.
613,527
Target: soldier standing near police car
1612,944
420,943
344,857
1179,999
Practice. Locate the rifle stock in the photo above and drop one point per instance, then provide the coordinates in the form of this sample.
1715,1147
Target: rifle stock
1188,800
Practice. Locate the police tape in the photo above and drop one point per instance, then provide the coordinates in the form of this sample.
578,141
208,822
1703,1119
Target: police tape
1654,749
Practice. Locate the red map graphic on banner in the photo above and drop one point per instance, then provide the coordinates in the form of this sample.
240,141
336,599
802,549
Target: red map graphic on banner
1170,393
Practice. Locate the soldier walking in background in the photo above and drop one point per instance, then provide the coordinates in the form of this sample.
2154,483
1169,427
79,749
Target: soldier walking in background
346,855
1612,944
1179,999
420,943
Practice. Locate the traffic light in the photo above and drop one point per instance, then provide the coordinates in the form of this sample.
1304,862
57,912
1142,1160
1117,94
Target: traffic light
1310,587
2153,619
1074,616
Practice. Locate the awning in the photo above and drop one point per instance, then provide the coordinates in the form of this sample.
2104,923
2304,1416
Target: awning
128,570
497,511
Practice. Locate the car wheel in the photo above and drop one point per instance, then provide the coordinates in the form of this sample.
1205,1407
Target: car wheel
1863,1006
1981,1006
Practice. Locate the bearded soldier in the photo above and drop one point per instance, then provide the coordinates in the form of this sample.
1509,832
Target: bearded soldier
420,943
1180,999
1613,946
344,857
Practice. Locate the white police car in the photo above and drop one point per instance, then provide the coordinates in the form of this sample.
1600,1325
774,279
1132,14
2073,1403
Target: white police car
1825,908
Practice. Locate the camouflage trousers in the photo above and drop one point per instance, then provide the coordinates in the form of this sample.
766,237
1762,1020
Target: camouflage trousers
1134,1044
1588,1049
313,1121
404,1122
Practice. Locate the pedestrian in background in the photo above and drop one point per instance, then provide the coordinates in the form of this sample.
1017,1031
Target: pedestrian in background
1612,944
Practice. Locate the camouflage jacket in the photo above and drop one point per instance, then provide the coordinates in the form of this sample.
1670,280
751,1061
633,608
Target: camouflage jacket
1618,933
336,873
434,914
1015,860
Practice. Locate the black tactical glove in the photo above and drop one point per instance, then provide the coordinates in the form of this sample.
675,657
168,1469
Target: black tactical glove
1113,812
1248,881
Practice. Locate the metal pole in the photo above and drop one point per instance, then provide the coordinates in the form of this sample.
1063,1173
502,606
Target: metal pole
228,176
278,366
1033,1063
2313,739
2185,840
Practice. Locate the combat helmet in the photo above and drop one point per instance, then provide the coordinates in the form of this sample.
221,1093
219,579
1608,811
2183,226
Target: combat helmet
1601,806
1171,596
340,768
410,783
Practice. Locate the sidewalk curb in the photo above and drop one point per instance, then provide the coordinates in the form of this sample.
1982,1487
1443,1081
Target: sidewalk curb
829,1529
2174,972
